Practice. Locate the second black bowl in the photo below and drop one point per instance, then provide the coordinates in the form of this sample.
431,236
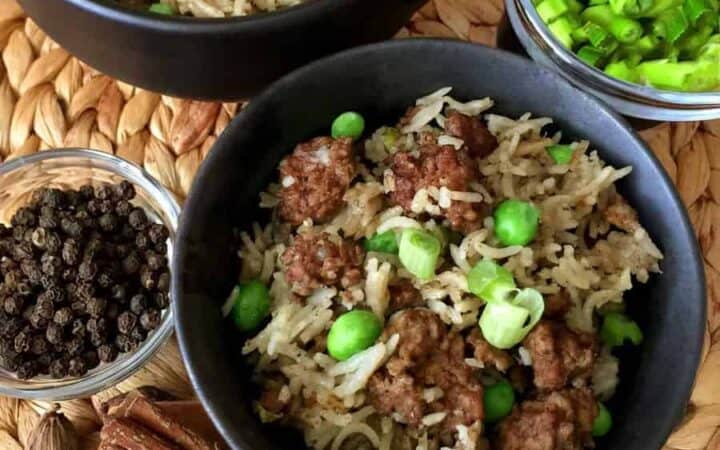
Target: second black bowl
380,81
213,58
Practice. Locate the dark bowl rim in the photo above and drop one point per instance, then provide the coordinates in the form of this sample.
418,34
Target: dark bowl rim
684,230
110,10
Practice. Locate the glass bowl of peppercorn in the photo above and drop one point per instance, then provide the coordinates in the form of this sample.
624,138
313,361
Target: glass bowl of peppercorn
85,240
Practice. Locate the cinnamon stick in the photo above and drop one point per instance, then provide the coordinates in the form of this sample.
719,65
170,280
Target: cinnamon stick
139,409
129,435
191,413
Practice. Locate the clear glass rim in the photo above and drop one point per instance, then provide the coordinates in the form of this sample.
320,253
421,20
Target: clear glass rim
598,80
96,382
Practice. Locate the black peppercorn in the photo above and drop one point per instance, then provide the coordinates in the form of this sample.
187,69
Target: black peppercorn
78,307
104,192
107,353
162,300
71,226
54,333
75,345
23,250
112,311
97,325
126,322
53,198
78,328
108,222
138,334
142,241
158,233
123,208
85,291
38,345
68,274
131,264
96,307
91,359
125,343
58,368
63,316
155,261
138,303
48,222
27,370
39,238
148,278
125,190
51,265
163,283
87,270
44,306
22,342
71,252
118,293
150,319
38,321
52,243
10,326
138,219
24,217
105,279
87,192
77,367
13,305
48,282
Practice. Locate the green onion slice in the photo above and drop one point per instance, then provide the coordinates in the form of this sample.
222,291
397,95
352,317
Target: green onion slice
617,328
419,252
383,243
561,154
490,281
505,323
162,8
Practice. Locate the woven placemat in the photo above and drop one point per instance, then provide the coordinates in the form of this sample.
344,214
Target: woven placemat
49,99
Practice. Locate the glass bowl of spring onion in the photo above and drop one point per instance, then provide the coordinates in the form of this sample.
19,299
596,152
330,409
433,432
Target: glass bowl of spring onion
651,59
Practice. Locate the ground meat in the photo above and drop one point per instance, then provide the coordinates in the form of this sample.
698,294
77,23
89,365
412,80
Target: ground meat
478,139
622,215
403,295
319,259
559,355
557,305
486,353
270,401
314,179
561,420
427,356
436,166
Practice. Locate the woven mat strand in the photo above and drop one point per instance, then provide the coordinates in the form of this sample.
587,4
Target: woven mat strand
49,99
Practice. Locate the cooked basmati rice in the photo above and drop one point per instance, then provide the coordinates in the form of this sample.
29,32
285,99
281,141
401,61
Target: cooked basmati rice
228,8
328,398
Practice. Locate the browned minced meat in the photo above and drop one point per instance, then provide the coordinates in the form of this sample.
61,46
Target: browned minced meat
478,139
404,295
437,166
557,305
561,420
319,259
487,354
427,355
270,401
314,179
559,355
622,215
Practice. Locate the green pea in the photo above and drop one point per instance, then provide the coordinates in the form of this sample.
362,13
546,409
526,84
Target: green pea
352,333
252,305
162,8
603,422
348,124
516,222
498,400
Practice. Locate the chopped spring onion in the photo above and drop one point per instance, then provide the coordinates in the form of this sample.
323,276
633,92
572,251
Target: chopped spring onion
382,242
550,10
562,30
162,8
561,154
419,252
670,25
617,328
682,76
621,70
590,55
624,29
711,50
695,10
505,322
490,281
390,137
603,422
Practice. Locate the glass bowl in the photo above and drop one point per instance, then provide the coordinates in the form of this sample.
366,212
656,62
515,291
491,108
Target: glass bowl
627,98
72,168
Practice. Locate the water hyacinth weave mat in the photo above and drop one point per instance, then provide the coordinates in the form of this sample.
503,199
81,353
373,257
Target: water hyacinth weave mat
48,99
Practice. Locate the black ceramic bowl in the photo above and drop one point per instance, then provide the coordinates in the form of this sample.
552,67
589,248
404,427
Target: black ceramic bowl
380,81
213,58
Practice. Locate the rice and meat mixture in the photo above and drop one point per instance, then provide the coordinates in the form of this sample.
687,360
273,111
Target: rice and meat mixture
228,8
422,380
